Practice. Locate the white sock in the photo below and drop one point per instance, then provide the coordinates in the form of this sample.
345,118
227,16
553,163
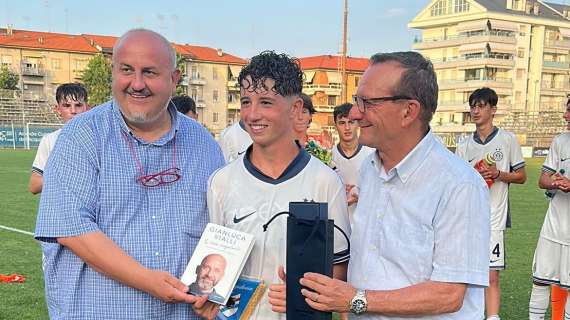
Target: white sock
539,299
567,310
494,317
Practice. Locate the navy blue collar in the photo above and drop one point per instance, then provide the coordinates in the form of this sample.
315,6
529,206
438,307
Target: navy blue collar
294,168
489,138
242,125
344,155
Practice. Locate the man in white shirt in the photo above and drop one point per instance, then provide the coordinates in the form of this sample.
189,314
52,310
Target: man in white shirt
275,170
504,149
71,100
234,140
550,265
348,154
419,245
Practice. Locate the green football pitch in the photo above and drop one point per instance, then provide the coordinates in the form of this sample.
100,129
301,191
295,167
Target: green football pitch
20,253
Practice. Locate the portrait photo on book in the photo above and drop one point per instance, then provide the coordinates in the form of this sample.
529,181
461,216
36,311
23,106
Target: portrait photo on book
217,262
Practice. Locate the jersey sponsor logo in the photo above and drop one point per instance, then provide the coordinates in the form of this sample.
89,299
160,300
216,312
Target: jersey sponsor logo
564,159
240,219
493,261
240,153
471,160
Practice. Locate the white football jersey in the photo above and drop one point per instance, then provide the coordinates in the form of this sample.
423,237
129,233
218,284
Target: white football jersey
242,198
505,149
349,167
234,140
556,225
44,150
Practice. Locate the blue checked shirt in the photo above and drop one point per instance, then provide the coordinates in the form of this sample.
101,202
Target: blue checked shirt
90,186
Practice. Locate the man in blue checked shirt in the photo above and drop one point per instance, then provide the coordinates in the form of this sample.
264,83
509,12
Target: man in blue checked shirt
125,196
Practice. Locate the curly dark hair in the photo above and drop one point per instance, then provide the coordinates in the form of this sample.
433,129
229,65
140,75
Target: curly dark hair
281,68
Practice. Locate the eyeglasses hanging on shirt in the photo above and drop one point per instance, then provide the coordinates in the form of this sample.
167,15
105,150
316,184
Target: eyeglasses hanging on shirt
167,176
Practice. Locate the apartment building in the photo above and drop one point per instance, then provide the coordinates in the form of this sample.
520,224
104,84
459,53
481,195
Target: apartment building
44,60
519,48
323,83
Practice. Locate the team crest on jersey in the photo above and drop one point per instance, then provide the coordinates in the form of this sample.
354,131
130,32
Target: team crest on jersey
498,155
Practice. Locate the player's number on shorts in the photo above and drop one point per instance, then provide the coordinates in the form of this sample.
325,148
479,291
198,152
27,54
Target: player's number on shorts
497,251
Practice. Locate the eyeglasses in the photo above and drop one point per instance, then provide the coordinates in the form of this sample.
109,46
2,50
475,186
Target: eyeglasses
158,179
161,178
363,104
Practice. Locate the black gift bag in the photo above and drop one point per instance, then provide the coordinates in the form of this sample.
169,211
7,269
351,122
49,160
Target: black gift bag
310,248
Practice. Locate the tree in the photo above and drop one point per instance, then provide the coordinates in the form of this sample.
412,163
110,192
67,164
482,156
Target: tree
97,80
180,65
8,79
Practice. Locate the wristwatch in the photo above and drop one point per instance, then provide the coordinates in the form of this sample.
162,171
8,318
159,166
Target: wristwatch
359,304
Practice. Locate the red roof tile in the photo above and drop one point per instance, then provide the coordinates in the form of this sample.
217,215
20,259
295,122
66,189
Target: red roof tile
105,42
331,62
213,55
194,52
45,40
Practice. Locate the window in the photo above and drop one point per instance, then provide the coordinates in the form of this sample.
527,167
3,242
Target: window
194,72
439,8
215,96
520,52
6,60
215,73
56,64
216,117
517,5
332,101
194,94
461,6
520,74
356,80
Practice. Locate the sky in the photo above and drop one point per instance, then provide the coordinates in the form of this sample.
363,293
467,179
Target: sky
243,28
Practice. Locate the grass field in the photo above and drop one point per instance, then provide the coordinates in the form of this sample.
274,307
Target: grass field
19,253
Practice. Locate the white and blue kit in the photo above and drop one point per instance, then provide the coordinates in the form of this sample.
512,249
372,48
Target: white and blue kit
243,198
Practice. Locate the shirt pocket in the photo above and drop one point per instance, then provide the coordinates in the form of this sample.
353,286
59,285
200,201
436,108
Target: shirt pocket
410,247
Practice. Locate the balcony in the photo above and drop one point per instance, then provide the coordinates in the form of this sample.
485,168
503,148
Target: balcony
324,108
333,89
453,106
200,103
456,40
557,44
556,88
234,105
233,85
197,81
492,60
556,65
32,71
472,84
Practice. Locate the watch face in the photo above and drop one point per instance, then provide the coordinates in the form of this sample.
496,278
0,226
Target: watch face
358,306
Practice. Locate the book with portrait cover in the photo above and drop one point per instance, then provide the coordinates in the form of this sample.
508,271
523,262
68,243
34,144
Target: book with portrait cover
217,262
245,296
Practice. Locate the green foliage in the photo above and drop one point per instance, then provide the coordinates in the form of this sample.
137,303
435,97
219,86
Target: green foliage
8,79
181,65
97,80
316,150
